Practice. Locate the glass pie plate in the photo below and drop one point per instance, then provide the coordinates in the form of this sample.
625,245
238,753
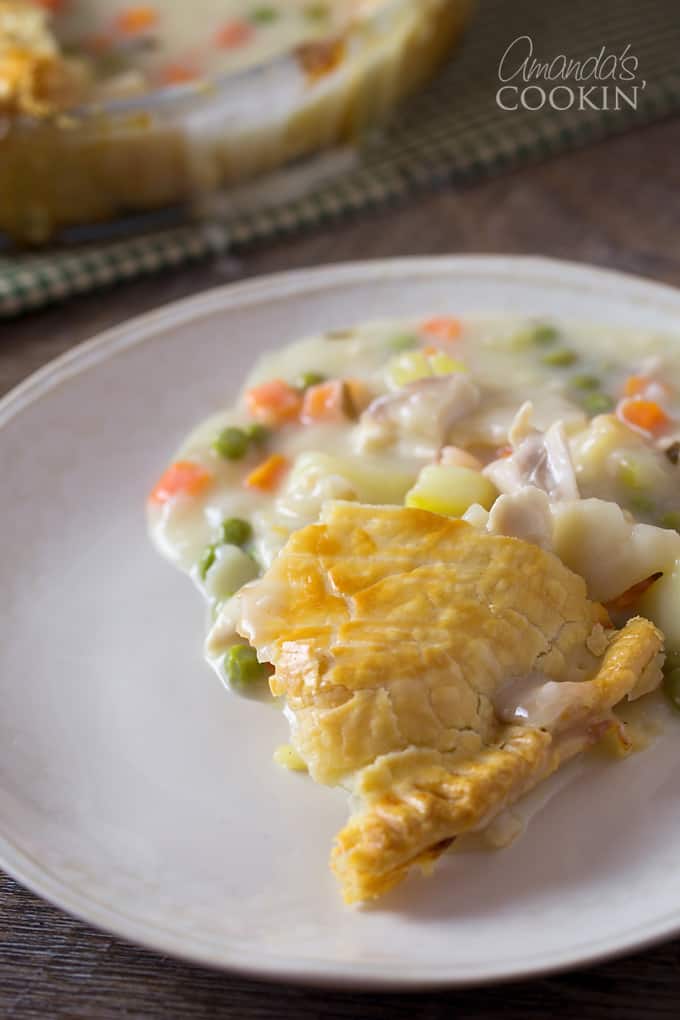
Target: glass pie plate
97,161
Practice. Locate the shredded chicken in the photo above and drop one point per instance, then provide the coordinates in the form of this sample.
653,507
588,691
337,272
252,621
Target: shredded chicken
425,409
539,459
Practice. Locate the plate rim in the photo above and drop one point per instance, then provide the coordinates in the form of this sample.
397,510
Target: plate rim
292,284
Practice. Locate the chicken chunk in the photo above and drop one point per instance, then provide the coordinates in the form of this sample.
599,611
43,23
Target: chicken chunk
422,411
403,643
539,459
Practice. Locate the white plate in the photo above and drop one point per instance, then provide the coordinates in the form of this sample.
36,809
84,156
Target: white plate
135,793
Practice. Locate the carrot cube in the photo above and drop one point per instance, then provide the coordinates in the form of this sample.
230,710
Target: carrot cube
184,476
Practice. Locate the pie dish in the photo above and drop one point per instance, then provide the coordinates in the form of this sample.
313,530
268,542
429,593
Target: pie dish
449,548
116,108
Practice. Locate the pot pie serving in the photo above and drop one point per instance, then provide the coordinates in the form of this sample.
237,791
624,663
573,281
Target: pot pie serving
108,108
450,550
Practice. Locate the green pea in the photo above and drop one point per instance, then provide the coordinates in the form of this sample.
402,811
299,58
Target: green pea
596,403
560,358
403,342
544,335
241,666
264,14
671,519
206,561
307,379
671,685
257,433
541,335
232,443
235,531
316,12
585,382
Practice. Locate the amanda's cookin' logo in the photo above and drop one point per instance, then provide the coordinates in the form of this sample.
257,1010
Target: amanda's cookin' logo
603,81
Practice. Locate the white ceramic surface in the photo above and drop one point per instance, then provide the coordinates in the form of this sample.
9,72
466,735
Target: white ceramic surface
136,793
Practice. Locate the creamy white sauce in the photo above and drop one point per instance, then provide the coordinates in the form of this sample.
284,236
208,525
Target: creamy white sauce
535,700
497,363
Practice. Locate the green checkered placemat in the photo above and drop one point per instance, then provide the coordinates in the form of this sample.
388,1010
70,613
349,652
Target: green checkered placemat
455,131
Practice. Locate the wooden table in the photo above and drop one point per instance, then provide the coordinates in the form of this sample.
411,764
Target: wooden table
616,205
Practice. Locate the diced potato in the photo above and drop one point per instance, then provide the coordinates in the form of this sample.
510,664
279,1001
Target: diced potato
414,365
272,531
661,604
607,449
450,490
596,540
231,569
223,634
642,472
477,516
372,478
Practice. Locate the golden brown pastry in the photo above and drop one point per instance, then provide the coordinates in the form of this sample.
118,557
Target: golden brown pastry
438,671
